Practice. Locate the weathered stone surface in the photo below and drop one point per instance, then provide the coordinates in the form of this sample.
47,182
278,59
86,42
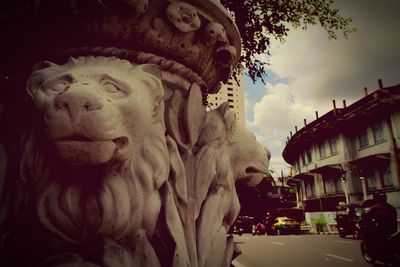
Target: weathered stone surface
121,164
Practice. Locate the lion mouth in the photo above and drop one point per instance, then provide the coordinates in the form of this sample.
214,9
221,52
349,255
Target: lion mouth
250,171
84,150
252,176
77,138
119,142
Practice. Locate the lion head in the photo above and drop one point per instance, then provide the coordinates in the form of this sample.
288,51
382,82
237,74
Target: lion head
249,161
97,156
228,153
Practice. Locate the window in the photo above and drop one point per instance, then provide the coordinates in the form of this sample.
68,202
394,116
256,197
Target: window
322,151
329,186
339,185
363,139
386,176
230,100
231,106
230,89
371,180
332,185
229,94
378,132
303,159
309,156
333,145
310,188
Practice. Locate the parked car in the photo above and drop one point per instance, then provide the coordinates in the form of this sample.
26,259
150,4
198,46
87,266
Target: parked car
285,225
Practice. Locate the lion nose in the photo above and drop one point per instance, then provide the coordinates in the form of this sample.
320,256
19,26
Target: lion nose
78,100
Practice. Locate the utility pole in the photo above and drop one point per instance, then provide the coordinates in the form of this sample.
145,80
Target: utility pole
364,187
282,194
345,191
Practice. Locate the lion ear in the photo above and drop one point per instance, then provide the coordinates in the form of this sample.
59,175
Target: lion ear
37,77
42,65
152,69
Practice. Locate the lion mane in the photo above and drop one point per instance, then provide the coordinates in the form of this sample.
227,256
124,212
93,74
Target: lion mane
110,206
119,200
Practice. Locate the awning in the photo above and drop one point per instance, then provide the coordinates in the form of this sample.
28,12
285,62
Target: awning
301,176
377,160
333,169
293,181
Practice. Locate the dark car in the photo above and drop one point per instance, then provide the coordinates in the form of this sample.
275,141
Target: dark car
244,223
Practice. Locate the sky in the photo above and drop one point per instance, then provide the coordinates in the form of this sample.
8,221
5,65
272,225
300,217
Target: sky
308,71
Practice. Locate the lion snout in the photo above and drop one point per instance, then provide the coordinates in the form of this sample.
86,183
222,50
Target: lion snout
77,102
80,112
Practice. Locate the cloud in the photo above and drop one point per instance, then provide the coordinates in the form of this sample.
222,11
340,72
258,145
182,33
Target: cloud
309,71
324,69
274,116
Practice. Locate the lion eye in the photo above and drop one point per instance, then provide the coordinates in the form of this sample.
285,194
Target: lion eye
111,87
56,85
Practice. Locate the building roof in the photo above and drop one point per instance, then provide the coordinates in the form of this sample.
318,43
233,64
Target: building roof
373,106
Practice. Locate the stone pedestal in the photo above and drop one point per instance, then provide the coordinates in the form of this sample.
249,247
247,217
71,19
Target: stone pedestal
120,163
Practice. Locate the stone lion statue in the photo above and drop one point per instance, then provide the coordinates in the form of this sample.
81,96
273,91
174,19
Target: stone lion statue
228,153
94,168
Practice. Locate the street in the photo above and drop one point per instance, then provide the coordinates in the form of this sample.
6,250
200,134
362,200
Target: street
298,251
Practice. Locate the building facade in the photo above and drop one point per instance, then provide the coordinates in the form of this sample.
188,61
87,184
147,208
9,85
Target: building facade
348,154
232,93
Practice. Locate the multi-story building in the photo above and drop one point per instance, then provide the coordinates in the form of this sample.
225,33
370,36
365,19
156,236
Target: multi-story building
232,93
348,154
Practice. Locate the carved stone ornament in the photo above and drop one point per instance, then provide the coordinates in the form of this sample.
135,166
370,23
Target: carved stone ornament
184,16
139,7
215,34
114,160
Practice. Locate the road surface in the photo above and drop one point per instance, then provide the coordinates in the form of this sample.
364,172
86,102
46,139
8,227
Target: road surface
298,251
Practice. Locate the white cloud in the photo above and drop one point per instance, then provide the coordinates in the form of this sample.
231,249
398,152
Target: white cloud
317,70
274,116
